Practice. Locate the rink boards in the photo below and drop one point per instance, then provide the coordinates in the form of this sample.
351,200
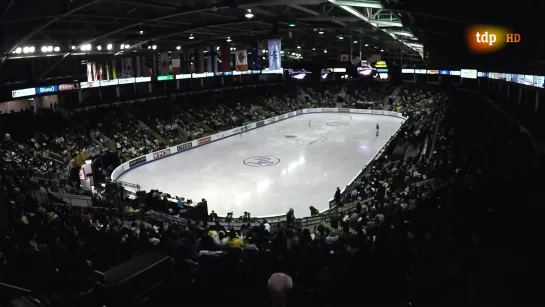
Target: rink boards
157,155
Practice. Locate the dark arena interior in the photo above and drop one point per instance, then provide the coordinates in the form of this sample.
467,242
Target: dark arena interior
434,108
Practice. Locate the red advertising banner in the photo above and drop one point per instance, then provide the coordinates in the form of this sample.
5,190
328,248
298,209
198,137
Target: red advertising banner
161,154
205,140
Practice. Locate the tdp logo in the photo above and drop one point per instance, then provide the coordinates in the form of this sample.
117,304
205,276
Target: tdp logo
491,38
486,39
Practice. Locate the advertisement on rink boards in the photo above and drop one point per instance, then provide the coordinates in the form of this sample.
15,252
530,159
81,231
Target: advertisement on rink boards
184,147
204,140
343,110
161,154
137,161
259,124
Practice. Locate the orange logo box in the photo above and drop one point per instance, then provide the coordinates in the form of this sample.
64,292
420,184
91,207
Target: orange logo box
487,39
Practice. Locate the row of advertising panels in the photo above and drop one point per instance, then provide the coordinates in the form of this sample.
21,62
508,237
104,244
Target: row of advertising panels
51,89
529,80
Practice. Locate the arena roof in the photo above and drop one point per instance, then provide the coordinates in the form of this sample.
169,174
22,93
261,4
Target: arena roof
61,28
412,29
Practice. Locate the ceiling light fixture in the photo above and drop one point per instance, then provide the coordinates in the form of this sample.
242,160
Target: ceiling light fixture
355,42
44,49
154,47
56,49
320,32
178,47
73,47
31,49
191,36
325,50
141,32
249,14
228,39
99,48
292,25
109,47
298,47
49,48
122,46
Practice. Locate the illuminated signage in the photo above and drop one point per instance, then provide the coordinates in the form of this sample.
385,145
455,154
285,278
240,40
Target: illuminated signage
23,92
183,76
433,72
454,72
165,78
47,89
142,79
109,82
444,72
528,79
381,64
68,87
420,71
381,70
407,71
89,84
538,81
468,73
201,75
126,81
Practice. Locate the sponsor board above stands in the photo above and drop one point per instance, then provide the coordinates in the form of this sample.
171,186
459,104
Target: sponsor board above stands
235,131
47,89
522,79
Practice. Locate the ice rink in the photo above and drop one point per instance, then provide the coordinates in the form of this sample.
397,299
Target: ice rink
294,163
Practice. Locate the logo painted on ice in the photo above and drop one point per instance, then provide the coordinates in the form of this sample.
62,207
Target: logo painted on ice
261,161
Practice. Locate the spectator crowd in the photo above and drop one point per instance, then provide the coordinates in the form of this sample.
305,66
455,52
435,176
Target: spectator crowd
392,237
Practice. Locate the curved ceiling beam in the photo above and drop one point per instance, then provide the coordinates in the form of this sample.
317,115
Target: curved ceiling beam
199,9
194,28
45,25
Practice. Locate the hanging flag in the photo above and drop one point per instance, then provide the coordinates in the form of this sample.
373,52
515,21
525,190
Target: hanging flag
129,70
99,72
241,58
90,72
176,63
146,67
209,58
275,54
138,62
107,71
114,70
94,67
199,60
215,53
225,58
163,64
